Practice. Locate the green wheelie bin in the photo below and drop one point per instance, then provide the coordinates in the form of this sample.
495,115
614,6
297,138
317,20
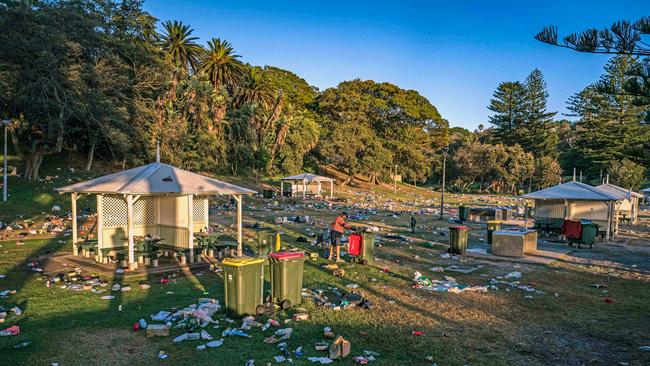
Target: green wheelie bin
458,239
463,213
492,226
367,248
243,284
265,242
589,233
286,278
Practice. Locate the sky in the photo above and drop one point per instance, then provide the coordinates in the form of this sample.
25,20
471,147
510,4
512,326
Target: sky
454,53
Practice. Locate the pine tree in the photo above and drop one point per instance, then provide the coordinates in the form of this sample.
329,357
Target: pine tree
538,134
508,105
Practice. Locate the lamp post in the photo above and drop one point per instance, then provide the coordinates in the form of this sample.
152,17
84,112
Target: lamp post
5,123
444,150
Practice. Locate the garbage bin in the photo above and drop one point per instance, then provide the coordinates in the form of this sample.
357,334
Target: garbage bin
463,213
286,278
589,233
492,226
243,284
458,239
265,242
367,248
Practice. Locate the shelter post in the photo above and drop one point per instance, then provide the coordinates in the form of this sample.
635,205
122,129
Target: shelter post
609,220
331,189
100,227
318,193
129,230
281,189
238,198
73,200
304,189
190,225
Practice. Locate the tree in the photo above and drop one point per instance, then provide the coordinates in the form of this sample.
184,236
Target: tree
254,88
611,126
538,135
627,173
221,64
383,118
179,46
622,38
508,105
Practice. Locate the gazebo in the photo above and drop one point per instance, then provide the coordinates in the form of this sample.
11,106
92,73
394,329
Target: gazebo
155,199
303,183
575,201
628,201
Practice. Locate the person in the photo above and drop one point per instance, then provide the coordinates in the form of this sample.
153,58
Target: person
338,226
413,222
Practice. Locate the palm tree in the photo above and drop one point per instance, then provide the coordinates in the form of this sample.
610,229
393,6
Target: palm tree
254,88
177,42
221,64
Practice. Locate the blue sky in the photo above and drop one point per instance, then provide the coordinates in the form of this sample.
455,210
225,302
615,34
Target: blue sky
454,53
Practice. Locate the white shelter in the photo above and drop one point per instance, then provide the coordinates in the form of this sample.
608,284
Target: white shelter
304,183
628,201
156,199
575,201
646,194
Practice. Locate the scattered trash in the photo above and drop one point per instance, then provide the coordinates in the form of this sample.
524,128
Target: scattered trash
608,300
11,331
513,275
340,348
320,360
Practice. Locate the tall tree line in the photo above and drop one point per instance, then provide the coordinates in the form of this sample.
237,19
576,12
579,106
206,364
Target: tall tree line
106,79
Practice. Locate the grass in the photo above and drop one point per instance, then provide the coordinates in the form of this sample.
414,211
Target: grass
502,327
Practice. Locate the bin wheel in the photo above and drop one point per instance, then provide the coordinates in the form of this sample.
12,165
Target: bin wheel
260,310
285,304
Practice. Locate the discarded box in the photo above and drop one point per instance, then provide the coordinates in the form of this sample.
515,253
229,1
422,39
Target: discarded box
300,317
157,330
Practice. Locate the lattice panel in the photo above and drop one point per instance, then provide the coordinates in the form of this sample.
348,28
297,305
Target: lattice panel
145,211
198,209
115,211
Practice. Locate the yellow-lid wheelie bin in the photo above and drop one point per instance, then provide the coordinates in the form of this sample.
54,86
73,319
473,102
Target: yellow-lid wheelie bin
458,239
492,226
286,278
243,284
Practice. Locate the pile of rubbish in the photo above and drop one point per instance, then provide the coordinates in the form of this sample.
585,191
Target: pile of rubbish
338,300
75,281
495,282
449,284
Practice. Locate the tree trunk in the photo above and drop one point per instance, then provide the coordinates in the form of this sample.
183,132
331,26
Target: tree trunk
91,155
32,165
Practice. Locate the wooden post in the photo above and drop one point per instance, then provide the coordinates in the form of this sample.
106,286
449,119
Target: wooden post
318,192
304,189
609,220
75,249
281,189
331,189
100,227
190,225
129,231
238,198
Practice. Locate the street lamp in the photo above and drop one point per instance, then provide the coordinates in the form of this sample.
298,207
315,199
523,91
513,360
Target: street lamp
5,123
444,151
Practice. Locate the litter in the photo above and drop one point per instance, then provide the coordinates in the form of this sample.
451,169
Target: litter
320,360
340,348
513,275
215,344
448,285
11,331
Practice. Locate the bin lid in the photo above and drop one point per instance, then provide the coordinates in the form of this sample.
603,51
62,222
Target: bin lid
494,221
238,262
459,227
286,255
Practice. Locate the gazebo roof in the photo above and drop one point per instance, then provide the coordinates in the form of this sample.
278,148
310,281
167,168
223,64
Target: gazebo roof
308,177
645,190
618,191
573,191
154,179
